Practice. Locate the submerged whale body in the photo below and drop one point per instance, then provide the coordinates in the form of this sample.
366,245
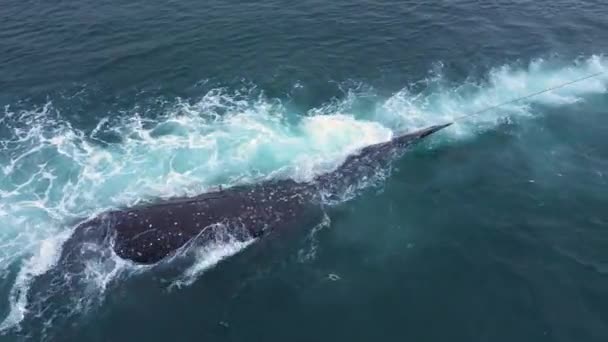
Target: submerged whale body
149,233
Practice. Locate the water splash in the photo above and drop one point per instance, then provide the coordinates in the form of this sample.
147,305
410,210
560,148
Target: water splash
442,102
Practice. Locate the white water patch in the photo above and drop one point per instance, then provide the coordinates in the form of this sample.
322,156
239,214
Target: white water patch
441,103
327,140
207,256
52,172
45,257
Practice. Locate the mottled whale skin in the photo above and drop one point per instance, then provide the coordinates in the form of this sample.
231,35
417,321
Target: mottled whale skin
149,233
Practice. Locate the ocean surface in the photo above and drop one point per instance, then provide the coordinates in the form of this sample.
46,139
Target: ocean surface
495,229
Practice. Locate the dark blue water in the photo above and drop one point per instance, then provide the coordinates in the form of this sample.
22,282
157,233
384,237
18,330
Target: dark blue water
495,229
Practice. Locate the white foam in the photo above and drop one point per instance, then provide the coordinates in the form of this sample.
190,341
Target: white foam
46,256
444,103
207,257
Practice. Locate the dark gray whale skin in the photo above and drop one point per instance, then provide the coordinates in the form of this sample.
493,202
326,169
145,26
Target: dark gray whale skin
149,233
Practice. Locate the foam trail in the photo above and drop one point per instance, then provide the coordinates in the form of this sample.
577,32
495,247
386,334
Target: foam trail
53,173
441,103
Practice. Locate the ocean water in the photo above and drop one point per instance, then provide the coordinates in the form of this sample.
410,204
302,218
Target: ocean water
495,229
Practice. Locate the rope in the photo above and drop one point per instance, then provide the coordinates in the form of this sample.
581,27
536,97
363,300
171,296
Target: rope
528,96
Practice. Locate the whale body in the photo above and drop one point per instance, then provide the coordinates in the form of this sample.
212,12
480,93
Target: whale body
149,233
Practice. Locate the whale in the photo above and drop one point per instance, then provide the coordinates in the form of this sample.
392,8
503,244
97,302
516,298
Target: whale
151,232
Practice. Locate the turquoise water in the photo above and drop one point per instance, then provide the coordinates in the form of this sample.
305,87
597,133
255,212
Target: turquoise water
493,230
